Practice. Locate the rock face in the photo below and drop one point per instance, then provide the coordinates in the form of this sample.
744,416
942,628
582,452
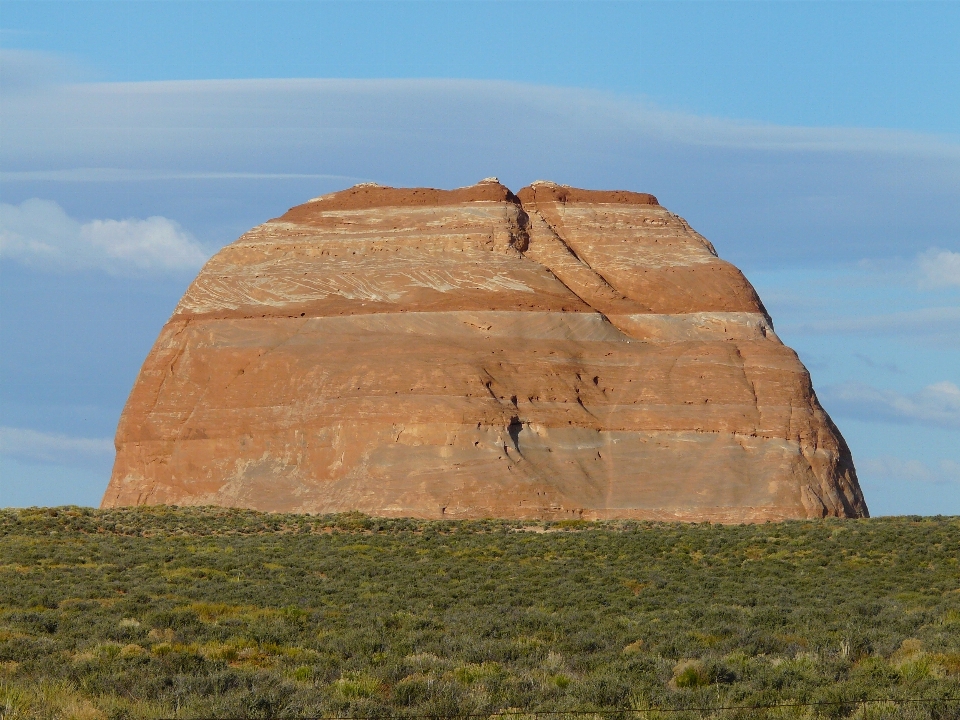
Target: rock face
558,353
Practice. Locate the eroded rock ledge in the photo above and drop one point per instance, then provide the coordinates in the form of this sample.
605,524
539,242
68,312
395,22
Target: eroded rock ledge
478,353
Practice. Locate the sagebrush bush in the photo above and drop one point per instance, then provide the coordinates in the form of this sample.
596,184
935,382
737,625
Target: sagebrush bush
212,612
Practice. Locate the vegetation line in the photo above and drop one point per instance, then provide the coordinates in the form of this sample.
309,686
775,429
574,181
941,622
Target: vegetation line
213,613
634,711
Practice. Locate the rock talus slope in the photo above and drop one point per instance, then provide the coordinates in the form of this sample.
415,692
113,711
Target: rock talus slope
474,353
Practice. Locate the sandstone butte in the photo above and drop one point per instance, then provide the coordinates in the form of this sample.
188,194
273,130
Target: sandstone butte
558,353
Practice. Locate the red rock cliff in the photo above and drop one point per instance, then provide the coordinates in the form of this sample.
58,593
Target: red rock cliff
474,353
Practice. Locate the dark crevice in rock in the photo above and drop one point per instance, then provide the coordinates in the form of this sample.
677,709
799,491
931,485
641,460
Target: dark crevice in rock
513,429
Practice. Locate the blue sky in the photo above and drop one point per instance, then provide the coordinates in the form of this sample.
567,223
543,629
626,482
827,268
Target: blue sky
816,144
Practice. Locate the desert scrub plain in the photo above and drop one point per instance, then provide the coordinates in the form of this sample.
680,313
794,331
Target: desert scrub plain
209,612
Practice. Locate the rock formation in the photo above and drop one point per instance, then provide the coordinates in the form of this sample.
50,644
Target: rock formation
559,353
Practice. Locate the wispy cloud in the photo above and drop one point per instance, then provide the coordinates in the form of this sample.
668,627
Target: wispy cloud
39,233
25,71
35,446
744,135
939,268
941,321
898,470
313,112
133,175
931,270
936,405
875,365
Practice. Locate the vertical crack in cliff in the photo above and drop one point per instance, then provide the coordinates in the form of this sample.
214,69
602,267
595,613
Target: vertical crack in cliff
746,376
751,383
513,430
170,366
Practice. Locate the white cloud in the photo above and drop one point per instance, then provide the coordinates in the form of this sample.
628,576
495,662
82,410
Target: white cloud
937,405
35,446
943,321
145,244
939,268
931,270
897,470
39,233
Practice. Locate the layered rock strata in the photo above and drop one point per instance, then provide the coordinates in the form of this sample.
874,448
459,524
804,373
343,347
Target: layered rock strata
559,353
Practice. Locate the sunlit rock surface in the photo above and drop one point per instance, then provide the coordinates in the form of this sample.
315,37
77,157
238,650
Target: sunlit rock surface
559,353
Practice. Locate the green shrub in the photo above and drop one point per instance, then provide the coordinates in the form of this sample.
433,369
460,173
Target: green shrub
690,674
355,686
214,612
